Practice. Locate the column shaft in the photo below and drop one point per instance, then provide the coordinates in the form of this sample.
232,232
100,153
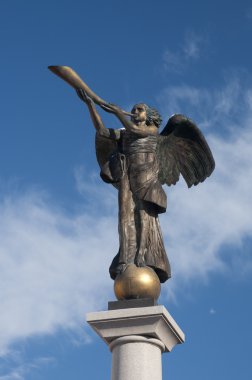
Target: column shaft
136,358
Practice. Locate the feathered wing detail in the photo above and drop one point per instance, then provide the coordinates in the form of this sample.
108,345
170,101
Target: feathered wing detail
104,148
182,148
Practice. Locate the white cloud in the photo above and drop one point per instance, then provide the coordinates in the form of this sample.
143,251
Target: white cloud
191,45
212,311
190,50
173,61
21,370
17,374
53,266
223,108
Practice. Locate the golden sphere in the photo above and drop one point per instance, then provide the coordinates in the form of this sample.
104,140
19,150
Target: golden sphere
137,282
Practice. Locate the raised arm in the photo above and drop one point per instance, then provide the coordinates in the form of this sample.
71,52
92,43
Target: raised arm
136,126
96,119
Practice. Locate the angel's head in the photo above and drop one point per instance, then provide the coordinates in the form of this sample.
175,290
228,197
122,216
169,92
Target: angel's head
148,114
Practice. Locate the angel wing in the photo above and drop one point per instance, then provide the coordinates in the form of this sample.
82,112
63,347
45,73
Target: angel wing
104,148
182,148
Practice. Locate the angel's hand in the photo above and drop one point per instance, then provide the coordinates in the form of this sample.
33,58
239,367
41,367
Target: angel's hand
106,108
113,108
83,96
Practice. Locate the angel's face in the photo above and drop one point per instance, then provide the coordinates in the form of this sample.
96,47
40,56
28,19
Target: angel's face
139,112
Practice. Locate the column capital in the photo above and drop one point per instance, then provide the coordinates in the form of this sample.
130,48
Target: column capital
153,322
136,339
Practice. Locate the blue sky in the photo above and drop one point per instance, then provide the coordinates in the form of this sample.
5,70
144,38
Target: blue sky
58,227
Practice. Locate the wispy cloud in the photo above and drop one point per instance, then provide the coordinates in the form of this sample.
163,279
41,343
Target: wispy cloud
189,51
192,45
212,311
20,372
221,108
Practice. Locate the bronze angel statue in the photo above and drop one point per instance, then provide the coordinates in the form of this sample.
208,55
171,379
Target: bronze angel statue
138,159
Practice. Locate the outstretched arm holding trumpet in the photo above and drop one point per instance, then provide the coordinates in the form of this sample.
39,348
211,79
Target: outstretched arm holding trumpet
96,119
89,97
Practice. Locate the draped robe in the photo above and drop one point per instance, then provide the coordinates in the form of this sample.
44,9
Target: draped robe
133,168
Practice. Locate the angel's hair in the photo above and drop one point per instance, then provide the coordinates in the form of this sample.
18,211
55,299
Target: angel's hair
153,116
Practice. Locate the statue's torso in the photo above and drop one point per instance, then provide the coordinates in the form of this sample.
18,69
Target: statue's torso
142,167
131,143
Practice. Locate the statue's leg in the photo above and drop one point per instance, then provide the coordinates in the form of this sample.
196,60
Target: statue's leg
142,232
126,225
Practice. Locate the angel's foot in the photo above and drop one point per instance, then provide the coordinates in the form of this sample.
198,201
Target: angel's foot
120,268
140,262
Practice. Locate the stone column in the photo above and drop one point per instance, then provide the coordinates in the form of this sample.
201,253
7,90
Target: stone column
137,337
136,358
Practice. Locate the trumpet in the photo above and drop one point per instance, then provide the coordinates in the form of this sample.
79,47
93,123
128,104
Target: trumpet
71,77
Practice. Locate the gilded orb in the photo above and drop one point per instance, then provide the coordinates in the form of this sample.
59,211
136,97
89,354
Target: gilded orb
137,282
